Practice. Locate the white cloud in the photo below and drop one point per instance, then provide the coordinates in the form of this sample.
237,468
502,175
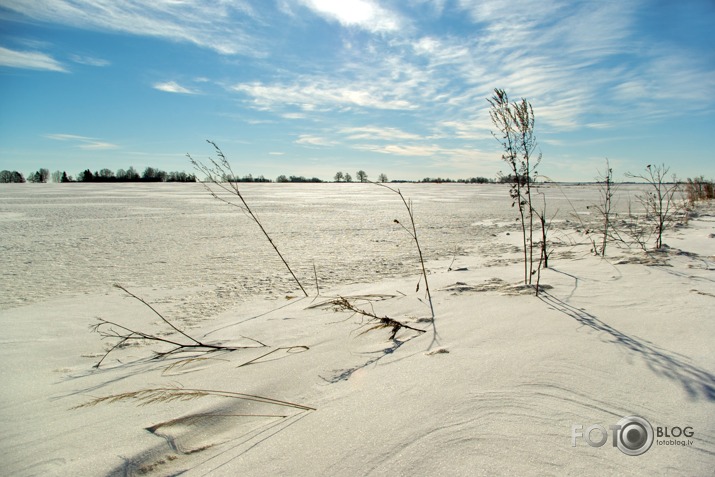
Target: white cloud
221,26
310,140
403,150
89,61
294,116
468,129
311,94
463,158
172,87
564,57
365,14
578,62
83,142
29,60
377,133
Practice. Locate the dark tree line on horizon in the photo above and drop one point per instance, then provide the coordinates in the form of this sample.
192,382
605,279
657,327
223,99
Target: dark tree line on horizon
152,174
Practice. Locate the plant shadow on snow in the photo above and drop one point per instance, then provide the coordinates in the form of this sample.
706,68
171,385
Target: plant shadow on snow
346,374
228,429
696,382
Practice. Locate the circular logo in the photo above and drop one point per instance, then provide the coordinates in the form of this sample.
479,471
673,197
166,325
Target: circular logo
635,435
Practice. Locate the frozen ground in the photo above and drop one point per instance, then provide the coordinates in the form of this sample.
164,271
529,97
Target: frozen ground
493,387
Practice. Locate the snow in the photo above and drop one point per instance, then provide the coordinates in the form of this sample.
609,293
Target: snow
493,386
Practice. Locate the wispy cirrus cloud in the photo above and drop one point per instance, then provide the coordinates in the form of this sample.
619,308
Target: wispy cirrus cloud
296,116
572,60
578,63
173,87
460,157
314,93
89,61
311,140
83,142
221,26
402,149
403,79
33,60
373,133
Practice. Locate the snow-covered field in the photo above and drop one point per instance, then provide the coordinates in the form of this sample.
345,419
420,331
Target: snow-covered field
81,238
493,387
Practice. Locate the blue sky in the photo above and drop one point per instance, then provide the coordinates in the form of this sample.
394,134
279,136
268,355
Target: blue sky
311,87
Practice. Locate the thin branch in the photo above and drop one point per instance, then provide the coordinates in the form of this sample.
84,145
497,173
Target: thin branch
155,312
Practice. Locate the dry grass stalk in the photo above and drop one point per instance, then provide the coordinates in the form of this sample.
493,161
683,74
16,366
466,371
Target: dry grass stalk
329,302
377,322
124,335
221,175
604,209
544,245
412,232
515,132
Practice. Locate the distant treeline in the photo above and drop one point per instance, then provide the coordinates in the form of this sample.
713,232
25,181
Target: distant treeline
152,174
471,180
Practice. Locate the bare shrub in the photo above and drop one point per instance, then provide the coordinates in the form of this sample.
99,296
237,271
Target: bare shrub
658,202
633,229
699,189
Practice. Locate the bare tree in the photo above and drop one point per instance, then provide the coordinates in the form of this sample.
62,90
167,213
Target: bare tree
382,178
339,176
659,200
106,174
40,176
361,176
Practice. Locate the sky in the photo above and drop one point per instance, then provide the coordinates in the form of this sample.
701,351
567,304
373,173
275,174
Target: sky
312,87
